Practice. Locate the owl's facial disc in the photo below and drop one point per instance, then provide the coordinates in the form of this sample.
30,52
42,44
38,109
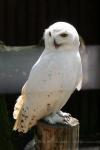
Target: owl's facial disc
56,45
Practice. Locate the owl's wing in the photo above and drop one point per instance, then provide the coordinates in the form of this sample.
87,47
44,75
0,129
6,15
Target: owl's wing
29,100
79,86
33,103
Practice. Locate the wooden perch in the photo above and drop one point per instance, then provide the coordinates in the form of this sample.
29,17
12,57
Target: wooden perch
56,137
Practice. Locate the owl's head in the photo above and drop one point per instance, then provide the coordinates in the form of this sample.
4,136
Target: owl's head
61,35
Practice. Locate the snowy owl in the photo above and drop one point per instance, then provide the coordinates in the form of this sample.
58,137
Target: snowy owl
52,80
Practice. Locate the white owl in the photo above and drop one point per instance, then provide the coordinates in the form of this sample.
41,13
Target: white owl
52,80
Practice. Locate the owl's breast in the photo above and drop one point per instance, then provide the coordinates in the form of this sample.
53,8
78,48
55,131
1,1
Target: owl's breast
54,72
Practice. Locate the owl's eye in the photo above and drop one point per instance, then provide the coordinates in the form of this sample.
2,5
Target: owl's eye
50,34
63,34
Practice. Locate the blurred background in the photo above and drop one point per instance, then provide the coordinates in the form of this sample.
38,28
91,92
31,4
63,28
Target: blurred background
22,23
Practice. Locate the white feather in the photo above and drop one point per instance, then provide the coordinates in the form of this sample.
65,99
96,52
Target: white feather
53,78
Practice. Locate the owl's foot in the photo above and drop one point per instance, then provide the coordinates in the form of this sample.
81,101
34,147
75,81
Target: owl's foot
53,119
59,117
65,115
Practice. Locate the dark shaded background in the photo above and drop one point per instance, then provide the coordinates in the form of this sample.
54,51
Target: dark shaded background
22,22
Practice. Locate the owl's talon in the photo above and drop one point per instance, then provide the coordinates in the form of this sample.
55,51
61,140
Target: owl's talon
67,119
65,123
64,114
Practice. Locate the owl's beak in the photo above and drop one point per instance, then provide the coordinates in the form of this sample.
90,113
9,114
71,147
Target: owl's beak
56,44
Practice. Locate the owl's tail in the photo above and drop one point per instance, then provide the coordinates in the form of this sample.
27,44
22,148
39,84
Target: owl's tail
22,113
18,106
18,111
19,103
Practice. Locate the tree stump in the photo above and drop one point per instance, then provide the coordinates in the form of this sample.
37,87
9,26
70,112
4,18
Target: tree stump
58,137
